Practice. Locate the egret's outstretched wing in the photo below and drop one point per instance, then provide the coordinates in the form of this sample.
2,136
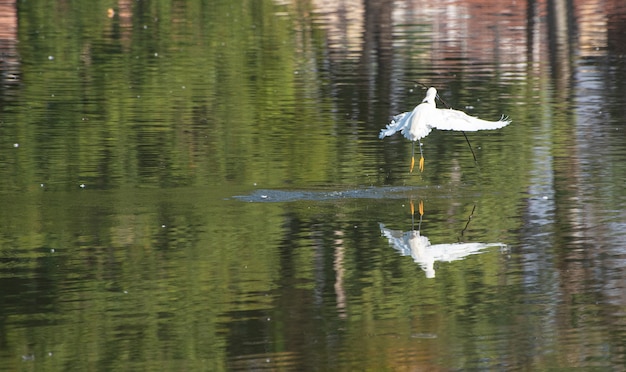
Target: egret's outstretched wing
449,119
400,122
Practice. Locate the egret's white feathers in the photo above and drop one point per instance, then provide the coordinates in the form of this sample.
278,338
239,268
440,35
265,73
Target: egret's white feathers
450,119
418,123
398,123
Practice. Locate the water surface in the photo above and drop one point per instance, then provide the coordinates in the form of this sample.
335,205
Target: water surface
201,186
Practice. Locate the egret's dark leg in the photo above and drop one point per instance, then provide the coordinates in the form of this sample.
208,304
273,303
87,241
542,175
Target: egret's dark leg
470,146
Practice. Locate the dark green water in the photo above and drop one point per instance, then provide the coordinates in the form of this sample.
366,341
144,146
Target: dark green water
200,186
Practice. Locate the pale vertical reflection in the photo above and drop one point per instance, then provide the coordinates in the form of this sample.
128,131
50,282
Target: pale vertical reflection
589,133
592,21
540,277
559,33
339,274
614,226
537,253
535,32
597,235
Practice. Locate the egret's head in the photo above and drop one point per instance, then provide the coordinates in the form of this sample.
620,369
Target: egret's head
431,93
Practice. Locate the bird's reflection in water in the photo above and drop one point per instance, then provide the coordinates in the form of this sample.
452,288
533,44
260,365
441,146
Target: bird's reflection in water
412,243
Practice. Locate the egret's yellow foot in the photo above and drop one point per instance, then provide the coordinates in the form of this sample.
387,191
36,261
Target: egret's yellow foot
421,164
421,207
412,164
412,208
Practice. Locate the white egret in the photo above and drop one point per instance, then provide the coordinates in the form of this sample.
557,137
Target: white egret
418,123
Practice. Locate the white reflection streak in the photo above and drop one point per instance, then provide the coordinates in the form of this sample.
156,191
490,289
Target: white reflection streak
339,271
591,227
411,243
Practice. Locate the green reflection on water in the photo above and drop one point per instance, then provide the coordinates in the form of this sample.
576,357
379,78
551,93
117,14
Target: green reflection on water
191,95
140,276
